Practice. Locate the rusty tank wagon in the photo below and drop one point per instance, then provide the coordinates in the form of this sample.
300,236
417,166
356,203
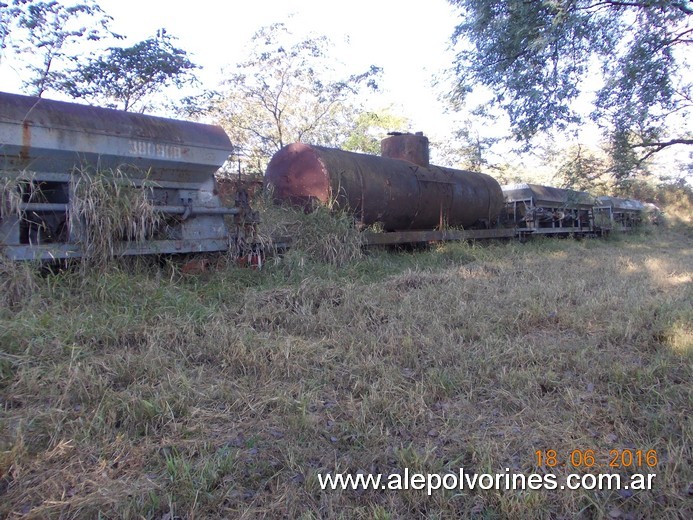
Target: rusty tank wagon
47,146
399,191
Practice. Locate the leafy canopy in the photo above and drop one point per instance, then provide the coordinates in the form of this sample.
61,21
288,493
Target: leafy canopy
537,57
43,31
368,129
45,40
126,76
287,91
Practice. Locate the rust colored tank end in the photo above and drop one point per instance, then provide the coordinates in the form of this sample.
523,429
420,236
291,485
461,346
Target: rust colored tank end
297,175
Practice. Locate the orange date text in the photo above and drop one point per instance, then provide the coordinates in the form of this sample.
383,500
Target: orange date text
578,458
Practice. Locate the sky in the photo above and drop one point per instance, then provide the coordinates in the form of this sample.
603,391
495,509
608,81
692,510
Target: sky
409,39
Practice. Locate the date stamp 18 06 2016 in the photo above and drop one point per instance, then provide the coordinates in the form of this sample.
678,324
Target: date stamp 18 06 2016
588,458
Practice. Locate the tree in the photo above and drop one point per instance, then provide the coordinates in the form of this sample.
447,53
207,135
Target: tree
369,128
126,76
44,29
472,146
286,91
7,15
537,56
582,169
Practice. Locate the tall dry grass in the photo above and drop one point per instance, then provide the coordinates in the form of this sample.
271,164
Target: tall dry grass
18,283
150,396
107,208
13,188
325,234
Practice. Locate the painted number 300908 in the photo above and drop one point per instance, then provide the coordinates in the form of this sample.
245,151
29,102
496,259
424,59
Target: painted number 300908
149,149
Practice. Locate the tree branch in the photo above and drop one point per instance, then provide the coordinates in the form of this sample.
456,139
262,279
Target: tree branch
659,146
681,6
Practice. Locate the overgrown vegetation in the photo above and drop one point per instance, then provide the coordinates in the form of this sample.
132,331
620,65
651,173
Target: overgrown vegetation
537,57
13,188
18,282
109,207
676,199
151,395
323,235
287,90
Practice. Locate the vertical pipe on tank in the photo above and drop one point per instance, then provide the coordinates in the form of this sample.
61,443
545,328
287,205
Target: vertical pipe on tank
406,147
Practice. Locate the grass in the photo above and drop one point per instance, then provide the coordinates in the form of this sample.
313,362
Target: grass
110,208
148,394
324,235
13,187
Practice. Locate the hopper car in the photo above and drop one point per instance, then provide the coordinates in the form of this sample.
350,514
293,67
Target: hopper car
652,213
545,210
612,213
47,147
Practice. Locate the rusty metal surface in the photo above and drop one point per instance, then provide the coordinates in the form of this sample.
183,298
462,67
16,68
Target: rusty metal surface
56,140
547,195
42,135
397,194
297,175
407,147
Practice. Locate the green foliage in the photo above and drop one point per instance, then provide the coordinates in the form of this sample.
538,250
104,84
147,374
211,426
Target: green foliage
47,38
44,30
537,56
325,235
126,76
370,128
285,92
474,149
470,147
581,169
7,15
674,198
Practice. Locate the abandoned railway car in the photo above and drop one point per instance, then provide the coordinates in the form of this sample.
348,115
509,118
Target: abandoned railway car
50,149
544,210
612,213
399,190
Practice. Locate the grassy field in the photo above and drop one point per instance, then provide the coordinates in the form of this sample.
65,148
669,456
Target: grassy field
149,394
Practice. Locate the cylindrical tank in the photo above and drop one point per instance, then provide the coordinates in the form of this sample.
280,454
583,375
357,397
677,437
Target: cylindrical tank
398,194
